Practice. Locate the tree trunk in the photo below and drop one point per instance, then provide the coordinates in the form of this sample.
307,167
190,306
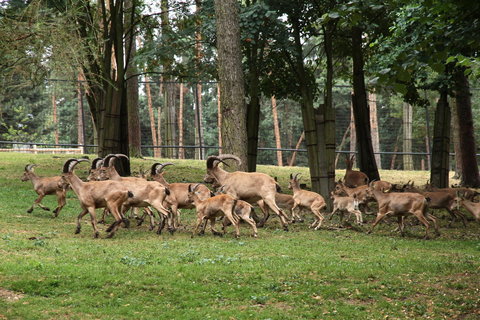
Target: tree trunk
276,131
407,136
198,90
230,73
342,144
134,136
353,133
219,119
80,115
151,115
329,118
159,117
456,140
55,120
470,173
105,76
441,143
372,97
169,88
181,151
297,146
198,121
366,158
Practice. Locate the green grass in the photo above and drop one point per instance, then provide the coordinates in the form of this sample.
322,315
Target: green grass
301,274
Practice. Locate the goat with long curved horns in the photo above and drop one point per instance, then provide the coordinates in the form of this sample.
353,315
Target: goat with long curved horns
247,186
96,194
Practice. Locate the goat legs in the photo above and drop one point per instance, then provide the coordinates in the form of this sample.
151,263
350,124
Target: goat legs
79,221
61,202
283,218
93,221
37,202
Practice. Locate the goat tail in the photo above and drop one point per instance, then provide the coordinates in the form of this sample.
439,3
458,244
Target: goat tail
130,194
167,191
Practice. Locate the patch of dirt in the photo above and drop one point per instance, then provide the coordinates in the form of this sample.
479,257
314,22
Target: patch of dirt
10,296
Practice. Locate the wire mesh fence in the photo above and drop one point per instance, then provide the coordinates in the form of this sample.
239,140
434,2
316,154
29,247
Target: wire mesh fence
180,120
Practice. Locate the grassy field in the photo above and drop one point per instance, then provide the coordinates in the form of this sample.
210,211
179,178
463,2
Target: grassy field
48,272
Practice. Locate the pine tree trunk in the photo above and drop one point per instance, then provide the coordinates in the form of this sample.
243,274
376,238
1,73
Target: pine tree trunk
181,151
219,119
366,158
233,108
276,131
80,115
470,172
342,144
407,136
353,133
198,121
372,97
151,115
441,143
55,120
456,140
297,146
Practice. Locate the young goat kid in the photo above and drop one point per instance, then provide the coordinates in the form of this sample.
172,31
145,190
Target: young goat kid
45,186
348,204
305,199
222,205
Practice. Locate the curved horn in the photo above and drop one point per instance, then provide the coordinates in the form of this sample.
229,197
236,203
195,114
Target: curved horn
153,170
291,176
163,165
193,187
295,177
107,162
66,165
71,163
29,167
210,161
122,156
230,156
96,163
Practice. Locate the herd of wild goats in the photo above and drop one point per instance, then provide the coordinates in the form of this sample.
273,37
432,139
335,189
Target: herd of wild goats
235,192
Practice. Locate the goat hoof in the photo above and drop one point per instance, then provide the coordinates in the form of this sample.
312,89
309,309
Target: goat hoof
77,231
172,231
29,210
139,223
126,222
110,235
96,235
255,235
285,229
46,209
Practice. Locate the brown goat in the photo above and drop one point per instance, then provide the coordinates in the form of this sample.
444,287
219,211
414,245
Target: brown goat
247,186
472,207
96,194
401,205
146,193
354,178
346,203
178,197
441,199
45,186
218,206
309,200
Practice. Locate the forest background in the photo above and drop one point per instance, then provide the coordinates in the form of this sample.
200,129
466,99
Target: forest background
160,59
